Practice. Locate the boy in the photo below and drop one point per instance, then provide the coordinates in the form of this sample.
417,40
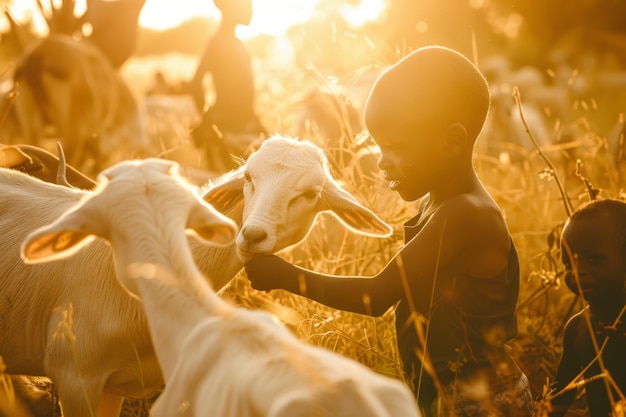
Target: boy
594,256
458,267
230,124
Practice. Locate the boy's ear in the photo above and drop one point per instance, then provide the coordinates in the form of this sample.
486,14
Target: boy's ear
457,142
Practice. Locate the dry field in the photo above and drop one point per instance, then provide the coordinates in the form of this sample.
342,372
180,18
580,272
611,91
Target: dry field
579,157
528,187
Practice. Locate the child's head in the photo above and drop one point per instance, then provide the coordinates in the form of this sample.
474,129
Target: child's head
238,12
595,236
427,109
431,87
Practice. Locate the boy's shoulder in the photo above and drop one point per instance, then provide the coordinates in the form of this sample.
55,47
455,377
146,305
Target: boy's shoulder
477,208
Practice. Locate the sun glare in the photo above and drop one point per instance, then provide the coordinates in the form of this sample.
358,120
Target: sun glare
366,11
271,17
274,17
166,14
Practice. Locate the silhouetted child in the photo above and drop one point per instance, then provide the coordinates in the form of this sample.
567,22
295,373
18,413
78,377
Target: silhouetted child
458,267
114,26
229,124
594,255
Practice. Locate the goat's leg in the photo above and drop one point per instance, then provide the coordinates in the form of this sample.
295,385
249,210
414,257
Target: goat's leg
110,405
79,398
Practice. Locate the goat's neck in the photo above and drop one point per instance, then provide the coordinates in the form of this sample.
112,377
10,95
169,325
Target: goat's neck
176,296
173,312
219,264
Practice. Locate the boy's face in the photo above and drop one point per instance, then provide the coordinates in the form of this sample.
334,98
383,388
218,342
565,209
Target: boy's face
599,251
412,162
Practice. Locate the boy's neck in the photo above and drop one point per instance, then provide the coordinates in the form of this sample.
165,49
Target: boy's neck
460,181
227,27
607,310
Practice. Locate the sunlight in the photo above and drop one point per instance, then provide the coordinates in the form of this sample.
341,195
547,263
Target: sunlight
274,17
166,14
25,11
271,17
364,12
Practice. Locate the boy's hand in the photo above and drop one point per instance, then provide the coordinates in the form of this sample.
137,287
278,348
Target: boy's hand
268,272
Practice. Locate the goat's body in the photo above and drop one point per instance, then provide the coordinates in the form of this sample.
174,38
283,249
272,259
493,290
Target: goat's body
241,363
217,359
44,306
112,351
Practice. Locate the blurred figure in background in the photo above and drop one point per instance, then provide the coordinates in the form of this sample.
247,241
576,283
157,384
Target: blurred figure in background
229,124
114,27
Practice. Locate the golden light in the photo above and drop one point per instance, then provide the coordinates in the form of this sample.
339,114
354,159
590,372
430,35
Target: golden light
166,14
27,11
271,17
274,17
364,12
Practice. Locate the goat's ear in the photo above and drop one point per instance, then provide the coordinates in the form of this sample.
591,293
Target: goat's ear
210,225
45,246
62,238
13,157
227,192
351,213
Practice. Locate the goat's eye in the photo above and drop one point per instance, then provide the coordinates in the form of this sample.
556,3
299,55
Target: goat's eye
248,183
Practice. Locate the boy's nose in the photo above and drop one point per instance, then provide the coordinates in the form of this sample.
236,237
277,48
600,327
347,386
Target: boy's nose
383,162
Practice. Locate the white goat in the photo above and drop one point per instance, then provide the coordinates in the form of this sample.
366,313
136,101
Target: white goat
275,198
217,359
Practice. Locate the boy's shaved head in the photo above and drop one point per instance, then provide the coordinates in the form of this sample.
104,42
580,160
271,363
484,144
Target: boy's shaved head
614,208
433,86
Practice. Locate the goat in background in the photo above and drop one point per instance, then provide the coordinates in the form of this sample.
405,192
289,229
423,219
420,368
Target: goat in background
69,87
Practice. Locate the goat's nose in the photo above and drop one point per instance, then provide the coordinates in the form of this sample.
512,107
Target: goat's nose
254,234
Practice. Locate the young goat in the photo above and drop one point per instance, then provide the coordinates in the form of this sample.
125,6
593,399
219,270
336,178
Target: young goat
71,321
217,359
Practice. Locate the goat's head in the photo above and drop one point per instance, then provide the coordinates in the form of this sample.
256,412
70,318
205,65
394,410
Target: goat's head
285,185
137,203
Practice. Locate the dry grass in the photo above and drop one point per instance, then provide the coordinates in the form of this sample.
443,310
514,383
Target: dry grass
529,196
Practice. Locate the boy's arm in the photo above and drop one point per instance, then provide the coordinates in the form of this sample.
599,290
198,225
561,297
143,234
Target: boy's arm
568,369
437,247
365,295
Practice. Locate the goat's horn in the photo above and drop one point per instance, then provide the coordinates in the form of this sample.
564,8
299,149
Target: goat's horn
62,169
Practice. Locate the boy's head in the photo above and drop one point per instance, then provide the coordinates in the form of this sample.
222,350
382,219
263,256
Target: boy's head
594,250
237,11
430,88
